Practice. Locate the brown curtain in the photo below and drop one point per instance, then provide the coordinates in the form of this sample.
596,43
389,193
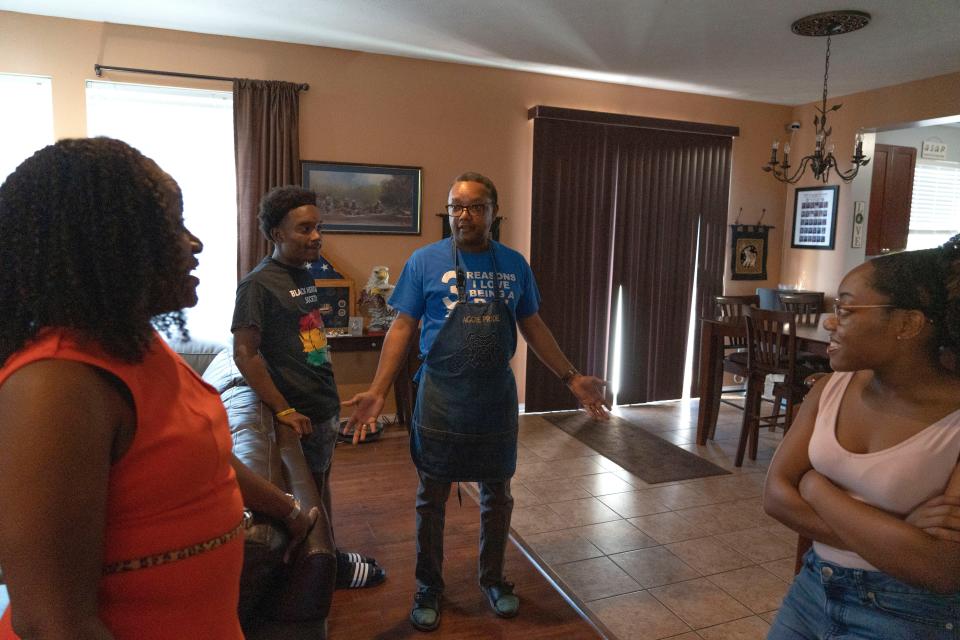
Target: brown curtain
266,116
669,186
618,201
573,184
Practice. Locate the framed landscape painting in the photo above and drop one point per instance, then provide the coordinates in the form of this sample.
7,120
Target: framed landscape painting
365,198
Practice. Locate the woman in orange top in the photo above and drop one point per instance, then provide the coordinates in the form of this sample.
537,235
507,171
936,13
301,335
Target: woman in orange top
119,493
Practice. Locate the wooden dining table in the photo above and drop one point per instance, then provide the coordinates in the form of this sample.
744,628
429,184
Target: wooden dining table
811,338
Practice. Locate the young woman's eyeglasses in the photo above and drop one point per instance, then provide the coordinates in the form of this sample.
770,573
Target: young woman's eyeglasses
475,210
842,310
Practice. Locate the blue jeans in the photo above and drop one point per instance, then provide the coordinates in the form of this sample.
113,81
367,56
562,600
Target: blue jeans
827,601
496,506
318,446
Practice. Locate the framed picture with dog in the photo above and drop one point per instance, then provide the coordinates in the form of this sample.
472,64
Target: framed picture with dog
748,251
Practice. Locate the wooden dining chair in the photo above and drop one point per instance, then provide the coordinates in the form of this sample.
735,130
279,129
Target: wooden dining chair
807,307
771,350
728,306
732,308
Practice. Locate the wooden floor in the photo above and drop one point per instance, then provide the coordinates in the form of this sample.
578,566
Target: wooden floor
688,560
374,486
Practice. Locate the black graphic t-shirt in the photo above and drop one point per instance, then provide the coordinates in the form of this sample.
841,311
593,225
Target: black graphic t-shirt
281,301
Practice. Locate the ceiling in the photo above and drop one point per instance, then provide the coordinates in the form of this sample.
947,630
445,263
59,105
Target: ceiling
733,48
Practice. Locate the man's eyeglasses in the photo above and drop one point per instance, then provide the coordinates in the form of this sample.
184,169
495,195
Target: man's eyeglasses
475,210
842,310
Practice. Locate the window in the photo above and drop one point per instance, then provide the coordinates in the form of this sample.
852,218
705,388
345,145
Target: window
27,123
935,211
189,133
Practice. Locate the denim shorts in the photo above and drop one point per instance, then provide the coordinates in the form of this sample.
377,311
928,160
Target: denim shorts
318,446
827,601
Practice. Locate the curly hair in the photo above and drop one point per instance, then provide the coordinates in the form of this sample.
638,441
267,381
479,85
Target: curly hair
472,176
278,202
927,280
90,239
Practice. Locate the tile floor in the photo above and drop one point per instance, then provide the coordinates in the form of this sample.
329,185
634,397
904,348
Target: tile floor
695,559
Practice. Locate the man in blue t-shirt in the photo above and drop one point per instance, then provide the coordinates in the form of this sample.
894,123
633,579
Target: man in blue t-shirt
472,294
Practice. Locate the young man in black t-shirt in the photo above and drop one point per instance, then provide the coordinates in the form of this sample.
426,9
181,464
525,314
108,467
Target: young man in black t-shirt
281,349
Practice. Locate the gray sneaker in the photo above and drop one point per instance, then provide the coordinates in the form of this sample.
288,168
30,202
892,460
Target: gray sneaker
502,600
425,615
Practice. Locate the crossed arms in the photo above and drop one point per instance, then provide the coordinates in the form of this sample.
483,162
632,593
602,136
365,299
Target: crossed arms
923,549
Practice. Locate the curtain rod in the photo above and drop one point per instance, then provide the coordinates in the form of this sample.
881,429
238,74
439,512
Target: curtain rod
100,68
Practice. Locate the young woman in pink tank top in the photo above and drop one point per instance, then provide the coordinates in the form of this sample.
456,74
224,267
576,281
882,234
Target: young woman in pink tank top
120,497
869,468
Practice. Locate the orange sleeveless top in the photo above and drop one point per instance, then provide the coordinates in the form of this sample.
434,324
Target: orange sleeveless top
173,488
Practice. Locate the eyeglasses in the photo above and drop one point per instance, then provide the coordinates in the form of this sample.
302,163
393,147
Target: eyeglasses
842,310
475,210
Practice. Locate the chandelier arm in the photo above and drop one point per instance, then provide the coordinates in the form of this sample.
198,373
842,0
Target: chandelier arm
783,177
849,175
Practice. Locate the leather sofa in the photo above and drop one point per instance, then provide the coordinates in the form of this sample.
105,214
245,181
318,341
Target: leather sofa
276,600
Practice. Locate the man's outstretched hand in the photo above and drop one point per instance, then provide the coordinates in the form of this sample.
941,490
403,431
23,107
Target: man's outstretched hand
589,393
364,419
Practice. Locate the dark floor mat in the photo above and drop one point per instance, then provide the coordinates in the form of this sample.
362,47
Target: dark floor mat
641,453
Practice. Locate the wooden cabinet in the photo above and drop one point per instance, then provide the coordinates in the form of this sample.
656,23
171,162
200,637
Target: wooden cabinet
891,194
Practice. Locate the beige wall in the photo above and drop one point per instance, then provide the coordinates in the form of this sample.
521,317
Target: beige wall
871,110
362,107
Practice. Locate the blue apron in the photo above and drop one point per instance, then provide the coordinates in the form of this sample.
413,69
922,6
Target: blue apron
465,419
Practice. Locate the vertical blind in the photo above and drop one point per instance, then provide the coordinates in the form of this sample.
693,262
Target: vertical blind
571,247
616,204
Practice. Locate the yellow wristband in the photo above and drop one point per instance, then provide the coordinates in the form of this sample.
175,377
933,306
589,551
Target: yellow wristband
285,412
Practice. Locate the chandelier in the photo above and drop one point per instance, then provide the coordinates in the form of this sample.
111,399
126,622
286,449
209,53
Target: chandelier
822,160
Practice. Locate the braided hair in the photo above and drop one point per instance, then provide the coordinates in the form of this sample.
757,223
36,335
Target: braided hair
90,239
927,280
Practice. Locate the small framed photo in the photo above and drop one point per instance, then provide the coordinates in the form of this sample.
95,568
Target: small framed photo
815,217
356,325
365,198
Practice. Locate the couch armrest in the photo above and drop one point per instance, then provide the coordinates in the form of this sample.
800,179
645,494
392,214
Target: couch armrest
270,590
265,540
309,587
197,353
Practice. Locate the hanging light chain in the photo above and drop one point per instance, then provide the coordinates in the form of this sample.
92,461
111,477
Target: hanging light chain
826,75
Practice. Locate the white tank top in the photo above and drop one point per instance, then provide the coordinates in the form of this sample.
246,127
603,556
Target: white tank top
896,479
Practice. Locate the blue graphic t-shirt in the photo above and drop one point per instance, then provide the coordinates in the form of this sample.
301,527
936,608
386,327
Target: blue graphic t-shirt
427,287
